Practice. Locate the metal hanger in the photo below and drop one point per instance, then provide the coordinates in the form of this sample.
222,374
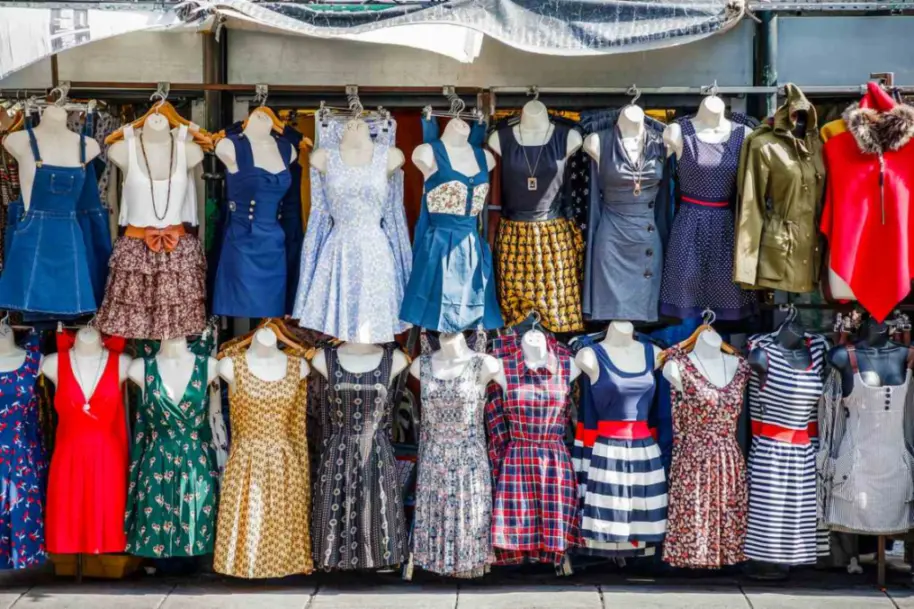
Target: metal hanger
635,92
457,108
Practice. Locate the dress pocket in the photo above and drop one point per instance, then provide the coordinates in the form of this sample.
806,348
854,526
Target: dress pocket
61,184
842,467
774,249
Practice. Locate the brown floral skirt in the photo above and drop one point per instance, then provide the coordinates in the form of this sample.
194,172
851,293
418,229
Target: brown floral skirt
539,268
154,295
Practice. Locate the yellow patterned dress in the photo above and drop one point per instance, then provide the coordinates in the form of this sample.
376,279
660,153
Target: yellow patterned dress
263,528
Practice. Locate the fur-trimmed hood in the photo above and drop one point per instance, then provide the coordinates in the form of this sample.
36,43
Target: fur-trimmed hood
879,131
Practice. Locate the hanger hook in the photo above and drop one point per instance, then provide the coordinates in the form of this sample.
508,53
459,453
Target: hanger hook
62,90
161,94
635,92
261,92
534,90
712,90
355,104
708,317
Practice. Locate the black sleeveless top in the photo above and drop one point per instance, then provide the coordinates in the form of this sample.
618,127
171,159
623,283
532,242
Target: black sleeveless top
518,202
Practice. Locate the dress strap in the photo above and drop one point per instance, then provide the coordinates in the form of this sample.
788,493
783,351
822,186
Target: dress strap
82,149
33,142
910,361
852,356
442,159
482,162
181,145
648,357
244,154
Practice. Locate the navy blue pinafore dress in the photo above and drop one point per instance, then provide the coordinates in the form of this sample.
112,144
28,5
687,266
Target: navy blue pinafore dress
251,278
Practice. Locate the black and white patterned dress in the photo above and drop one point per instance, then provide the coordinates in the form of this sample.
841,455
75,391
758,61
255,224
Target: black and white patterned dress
358,504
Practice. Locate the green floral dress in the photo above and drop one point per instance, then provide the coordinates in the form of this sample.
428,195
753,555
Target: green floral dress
171,507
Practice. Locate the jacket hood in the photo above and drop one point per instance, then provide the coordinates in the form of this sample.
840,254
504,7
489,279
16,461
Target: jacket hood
785,118
878,123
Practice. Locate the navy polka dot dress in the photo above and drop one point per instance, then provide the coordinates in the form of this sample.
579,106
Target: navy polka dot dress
698,268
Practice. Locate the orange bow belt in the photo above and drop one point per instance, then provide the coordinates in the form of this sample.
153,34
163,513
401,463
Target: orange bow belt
158,239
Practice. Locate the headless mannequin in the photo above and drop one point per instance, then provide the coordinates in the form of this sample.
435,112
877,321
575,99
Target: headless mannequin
881,362
267,152
631,128
448,362
536,353
356,150
711,126
535,129
791,342
456,142
176,368
11,356
88,359
58,147
264,359
717,367
157,138
360,358
626,353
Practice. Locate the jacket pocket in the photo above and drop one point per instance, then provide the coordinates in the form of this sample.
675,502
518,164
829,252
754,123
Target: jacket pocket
774,249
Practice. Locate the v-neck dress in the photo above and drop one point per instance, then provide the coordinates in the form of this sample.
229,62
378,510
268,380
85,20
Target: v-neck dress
708,502
452,285
171,508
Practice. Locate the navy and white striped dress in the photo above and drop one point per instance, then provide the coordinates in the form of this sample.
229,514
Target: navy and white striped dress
782,460
625,497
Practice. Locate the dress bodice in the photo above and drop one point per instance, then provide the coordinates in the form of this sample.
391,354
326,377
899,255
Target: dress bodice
451,193
707,172
703,411
547,164
357,195
619,175
536,402
267,413
19,402
255,194
359,402
56,189
452,409
623,396
185,417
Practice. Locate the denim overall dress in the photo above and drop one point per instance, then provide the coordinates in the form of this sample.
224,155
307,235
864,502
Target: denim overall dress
251,278
47,270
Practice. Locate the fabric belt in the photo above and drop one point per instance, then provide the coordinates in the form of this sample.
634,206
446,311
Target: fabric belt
624,430
157,239
785,434
705,203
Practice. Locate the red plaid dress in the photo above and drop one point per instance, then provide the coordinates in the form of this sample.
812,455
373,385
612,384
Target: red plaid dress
534,511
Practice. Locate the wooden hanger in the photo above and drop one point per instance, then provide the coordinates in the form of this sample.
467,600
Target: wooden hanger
278,125
707,317
278,327
164,108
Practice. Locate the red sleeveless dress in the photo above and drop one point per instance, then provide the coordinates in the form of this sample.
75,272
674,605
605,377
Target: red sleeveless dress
87,484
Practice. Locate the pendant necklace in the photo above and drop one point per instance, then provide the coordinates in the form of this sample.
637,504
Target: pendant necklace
532,184
637,168
171,160
102,357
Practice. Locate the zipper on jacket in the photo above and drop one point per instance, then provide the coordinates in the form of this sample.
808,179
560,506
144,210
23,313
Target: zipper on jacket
882,186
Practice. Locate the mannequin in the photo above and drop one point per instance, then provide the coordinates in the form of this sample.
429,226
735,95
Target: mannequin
455,139
791,341
86,356
266,150
11,356
717,367
711,126
264,358
450,360
536,353
631,128
356,149
359,358
535,129
176,367
881,361
157,135
58,146
620,344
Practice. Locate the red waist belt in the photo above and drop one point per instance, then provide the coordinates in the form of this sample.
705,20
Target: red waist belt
705,203
624,430
785,434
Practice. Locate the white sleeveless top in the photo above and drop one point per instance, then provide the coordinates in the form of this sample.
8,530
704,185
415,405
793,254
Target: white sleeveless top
137,202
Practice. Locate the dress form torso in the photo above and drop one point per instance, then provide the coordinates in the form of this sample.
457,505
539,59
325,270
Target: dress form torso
621,347
87,352
462,156
264,360
790,343
535,129
267,153
175,363
451,360
357,149
717,367
879,361
631,127
710,123
11,356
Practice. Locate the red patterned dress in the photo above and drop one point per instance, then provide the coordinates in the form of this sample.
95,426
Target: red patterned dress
534,512
708,509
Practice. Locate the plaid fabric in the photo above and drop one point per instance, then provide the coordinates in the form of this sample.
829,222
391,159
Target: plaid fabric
534,512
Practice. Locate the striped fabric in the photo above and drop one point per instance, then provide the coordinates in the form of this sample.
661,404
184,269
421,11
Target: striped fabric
782,471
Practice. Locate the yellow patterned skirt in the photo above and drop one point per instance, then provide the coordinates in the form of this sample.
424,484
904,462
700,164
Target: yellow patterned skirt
540,268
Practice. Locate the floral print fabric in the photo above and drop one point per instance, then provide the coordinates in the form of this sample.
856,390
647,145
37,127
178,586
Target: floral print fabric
708,505
173,472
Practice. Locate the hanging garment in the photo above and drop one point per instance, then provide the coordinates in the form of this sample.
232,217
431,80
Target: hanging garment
782,461
866,219
868,463
535,511
359,521
698,267
452,528
624,484
171,508
265,505
354,259
87,485
627,229
23,465
291,214
781,182
157,274
47,270
251,276
538,250
708,502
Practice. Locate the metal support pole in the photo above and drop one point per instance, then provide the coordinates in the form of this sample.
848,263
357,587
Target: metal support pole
769,57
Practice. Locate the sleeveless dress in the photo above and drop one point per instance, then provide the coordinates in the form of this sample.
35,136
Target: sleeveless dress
706,526
625,486
87,485
452,286
352,269
539,252
698,268
23,465
782,459
264,507
173,472
452,529
359,521
47,270
251,276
